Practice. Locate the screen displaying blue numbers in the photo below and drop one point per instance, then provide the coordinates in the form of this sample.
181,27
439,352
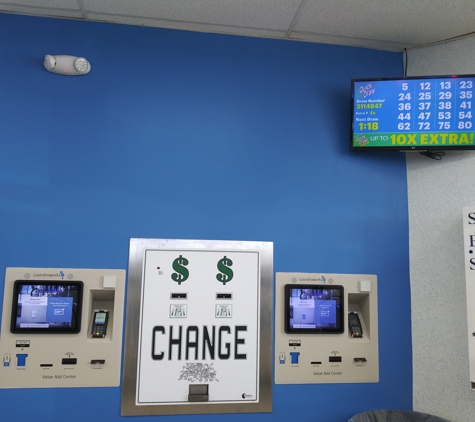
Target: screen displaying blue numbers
414,113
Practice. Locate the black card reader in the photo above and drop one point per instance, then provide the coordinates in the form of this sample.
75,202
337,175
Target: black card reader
354,325
99,324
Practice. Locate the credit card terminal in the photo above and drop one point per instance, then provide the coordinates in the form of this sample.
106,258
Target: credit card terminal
99,324
354,325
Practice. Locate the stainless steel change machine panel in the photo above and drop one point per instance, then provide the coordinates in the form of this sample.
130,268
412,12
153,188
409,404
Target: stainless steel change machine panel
48,337
199,327
326,328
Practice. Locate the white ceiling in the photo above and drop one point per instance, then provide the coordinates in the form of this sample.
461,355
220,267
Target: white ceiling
378,24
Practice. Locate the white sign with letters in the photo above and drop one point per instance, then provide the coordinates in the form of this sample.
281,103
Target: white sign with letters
469,250
199,324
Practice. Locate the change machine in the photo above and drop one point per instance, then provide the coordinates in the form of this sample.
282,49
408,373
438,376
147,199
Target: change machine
326,328
61,327
199,327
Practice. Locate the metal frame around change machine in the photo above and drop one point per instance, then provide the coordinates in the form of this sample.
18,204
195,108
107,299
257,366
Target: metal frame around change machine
199,327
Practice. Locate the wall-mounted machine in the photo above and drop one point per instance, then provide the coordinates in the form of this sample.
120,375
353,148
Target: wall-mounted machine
199,327
326,328
61,328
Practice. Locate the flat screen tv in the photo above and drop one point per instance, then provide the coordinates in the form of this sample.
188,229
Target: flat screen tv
413,114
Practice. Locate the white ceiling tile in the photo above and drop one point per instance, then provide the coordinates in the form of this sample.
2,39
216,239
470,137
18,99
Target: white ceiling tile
58,4
382,24
187,26
34,11
350,41
406,21
53,8
264,14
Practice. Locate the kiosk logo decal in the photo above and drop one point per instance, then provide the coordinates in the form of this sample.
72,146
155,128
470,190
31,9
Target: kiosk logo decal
46,275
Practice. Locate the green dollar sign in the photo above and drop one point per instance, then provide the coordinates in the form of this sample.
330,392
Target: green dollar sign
181,272
226,272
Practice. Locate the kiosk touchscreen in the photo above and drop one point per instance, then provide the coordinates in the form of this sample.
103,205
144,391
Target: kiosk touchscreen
314,309
46,307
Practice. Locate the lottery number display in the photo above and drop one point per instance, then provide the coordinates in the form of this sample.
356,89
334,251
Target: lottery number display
431,113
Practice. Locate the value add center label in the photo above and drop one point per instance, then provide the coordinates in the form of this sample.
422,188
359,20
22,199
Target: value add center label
199,324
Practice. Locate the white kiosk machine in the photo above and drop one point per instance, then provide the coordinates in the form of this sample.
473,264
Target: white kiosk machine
326,328
61,328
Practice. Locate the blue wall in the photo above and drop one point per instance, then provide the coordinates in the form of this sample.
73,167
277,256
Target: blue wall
188,135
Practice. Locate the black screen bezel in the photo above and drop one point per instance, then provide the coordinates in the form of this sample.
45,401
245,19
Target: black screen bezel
340,322
404,148
75,326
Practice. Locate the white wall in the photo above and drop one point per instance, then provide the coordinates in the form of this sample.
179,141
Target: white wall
437,191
